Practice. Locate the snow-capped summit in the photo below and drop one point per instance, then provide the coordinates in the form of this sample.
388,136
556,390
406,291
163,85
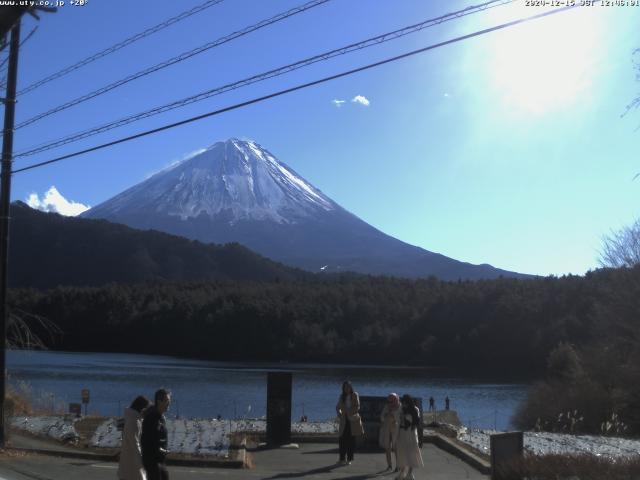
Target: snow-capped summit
237,191
237,179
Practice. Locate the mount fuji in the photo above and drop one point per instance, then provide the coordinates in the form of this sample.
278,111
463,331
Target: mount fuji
237,191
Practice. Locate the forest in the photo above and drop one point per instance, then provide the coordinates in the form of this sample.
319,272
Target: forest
578,335
504,326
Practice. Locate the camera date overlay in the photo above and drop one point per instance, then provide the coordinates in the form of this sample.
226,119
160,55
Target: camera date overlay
43,3
581,3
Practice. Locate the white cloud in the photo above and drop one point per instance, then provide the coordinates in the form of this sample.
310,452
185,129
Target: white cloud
361,99
174,163
184,158
53,201
338,103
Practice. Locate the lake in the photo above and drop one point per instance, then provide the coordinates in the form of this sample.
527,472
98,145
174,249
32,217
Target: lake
236,390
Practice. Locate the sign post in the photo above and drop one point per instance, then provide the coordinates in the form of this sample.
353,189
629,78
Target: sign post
76,409
279,408
85,399
506,448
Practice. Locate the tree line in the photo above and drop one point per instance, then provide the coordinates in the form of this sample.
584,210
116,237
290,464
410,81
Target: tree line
579,333
503,325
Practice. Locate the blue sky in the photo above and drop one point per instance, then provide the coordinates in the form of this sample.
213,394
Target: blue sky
508,148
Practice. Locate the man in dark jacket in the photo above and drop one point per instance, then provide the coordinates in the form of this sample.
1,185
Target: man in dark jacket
153,439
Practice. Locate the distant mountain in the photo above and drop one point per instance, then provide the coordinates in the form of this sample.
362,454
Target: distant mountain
47,249
236,191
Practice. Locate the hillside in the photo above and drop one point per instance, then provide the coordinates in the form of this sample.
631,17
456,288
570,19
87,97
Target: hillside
47,249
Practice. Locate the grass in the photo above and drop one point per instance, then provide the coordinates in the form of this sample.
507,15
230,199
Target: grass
17,403
573,467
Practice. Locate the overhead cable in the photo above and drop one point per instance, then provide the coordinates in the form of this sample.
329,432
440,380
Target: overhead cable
3,82
262,77
296,88
172,61
120,45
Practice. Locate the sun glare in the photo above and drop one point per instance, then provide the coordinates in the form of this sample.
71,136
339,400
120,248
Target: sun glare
547,63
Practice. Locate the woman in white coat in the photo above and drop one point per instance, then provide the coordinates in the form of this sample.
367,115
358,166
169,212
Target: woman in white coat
389,427
130,466
408,453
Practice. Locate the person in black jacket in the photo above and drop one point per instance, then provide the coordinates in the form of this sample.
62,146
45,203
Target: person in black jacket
154,437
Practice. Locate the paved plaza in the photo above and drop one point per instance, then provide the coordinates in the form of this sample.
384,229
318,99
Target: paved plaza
311,461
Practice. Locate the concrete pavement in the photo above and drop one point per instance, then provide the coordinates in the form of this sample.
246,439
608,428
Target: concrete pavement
309,462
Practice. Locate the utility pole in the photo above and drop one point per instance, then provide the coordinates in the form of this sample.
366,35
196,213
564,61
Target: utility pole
5,203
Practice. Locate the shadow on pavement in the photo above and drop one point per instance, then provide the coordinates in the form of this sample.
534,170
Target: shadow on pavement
327,450
327,469
314,471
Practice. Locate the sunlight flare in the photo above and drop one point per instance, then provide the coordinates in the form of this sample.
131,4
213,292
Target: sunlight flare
548,63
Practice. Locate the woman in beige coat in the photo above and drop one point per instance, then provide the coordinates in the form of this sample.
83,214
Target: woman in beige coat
130,466
347,409
389,427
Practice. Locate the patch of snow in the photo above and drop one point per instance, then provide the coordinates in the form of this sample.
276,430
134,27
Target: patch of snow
211,436
107,435
56,427
204,436
543,443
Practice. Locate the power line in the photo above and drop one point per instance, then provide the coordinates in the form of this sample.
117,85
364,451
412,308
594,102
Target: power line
297,87
262,76
24,40
3,82
177,59
122,44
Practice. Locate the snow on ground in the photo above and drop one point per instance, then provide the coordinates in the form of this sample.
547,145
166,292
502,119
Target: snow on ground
203,436
56,427
187,436
211,436
542,443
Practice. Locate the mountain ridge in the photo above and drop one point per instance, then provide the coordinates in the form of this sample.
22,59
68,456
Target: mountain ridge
237,191
87,252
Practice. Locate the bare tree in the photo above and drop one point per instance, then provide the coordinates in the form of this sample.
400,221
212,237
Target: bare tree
22,327
621,248
635,103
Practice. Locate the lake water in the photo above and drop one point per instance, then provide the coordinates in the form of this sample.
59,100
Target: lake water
236,390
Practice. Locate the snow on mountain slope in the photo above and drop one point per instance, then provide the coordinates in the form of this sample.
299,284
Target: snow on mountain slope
240,179
237,191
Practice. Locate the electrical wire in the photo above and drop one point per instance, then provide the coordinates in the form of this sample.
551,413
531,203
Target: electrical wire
120,45
3,82
297,87
172,61
262,76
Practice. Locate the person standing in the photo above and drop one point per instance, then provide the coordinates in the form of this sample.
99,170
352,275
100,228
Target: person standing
446,402
408,450
154,437
348,408
389,427
432,404
130,464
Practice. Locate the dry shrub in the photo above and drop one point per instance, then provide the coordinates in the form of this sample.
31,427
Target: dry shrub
551,405
594,390
573,467
17,403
